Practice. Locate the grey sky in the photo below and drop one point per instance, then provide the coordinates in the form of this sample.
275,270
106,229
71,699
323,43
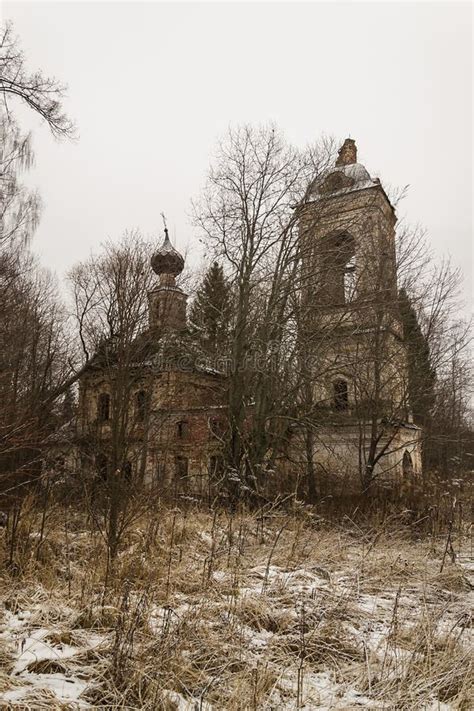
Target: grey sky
153,85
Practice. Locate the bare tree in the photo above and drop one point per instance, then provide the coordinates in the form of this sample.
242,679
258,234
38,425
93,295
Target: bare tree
34,353
110,296
42,94
247,214
33,364
19,207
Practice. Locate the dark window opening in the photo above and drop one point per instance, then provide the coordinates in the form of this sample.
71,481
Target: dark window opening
181,429
102,465
141,405
127,471
341,395
161,471
181,466
103,407
217,428
407,464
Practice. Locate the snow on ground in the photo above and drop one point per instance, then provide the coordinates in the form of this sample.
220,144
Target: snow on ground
41,661
369,620
325,628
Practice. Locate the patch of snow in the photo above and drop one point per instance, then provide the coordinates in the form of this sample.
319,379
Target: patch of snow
32,645
65,688
35,649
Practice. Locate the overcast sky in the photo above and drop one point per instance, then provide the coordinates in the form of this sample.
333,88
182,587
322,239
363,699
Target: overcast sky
152,86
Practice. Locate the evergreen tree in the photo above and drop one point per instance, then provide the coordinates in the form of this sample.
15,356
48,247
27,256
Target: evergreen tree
421,374
211,312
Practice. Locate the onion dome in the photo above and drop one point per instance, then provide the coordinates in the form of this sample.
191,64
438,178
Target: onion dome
167,260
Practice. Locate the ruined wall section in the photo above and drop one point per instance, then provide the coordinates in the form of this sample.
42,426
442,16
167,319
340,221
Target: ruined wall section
173,446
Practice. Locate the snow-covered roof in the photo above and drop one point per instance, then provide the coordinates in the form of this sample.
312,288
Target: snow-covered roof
342,179
357,171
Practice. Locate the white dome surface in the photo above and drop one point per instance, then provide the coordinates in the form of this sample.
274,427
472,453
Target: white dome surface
355,170
359,179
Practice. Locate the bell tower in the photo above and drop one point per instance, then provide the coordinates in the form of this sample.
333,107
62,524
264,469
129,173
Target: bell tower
347,232
347,238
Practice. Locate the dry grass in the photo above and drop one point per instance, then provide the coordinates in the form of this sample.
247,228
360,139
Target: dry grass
219,611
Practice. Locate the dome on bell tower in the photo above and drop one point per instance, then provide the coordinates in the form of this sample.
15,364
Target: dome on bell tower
167,260
347,175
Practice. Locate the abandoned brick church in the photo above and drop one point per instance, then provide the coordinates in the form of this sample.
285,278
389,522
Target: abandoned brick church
347,233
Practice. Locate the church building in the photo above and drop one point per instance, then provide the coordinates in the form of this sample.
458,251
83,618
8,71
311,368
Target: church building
171,429
175,419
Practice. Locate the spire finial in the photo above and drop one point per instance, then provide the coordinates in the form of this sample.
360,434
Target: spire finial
166,259
165,225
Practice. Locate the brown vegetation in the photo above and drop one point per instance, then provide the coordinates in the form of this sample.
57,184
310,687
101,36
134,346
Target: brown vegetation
217,610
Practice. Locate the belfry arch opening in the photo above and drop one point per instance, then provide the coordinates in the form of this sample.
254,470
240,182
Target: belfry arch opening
339,268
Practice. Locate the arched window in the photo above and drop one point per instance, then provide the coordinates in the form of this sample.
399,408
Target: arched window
181,429
407,464
103,407
341,395
141,405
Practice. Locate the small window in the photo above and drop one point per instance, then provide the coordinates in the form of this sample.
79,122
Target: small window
127,471
103,407
160,471
181,467
141,405
217,428
181,429
341,395
407,464
102,465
